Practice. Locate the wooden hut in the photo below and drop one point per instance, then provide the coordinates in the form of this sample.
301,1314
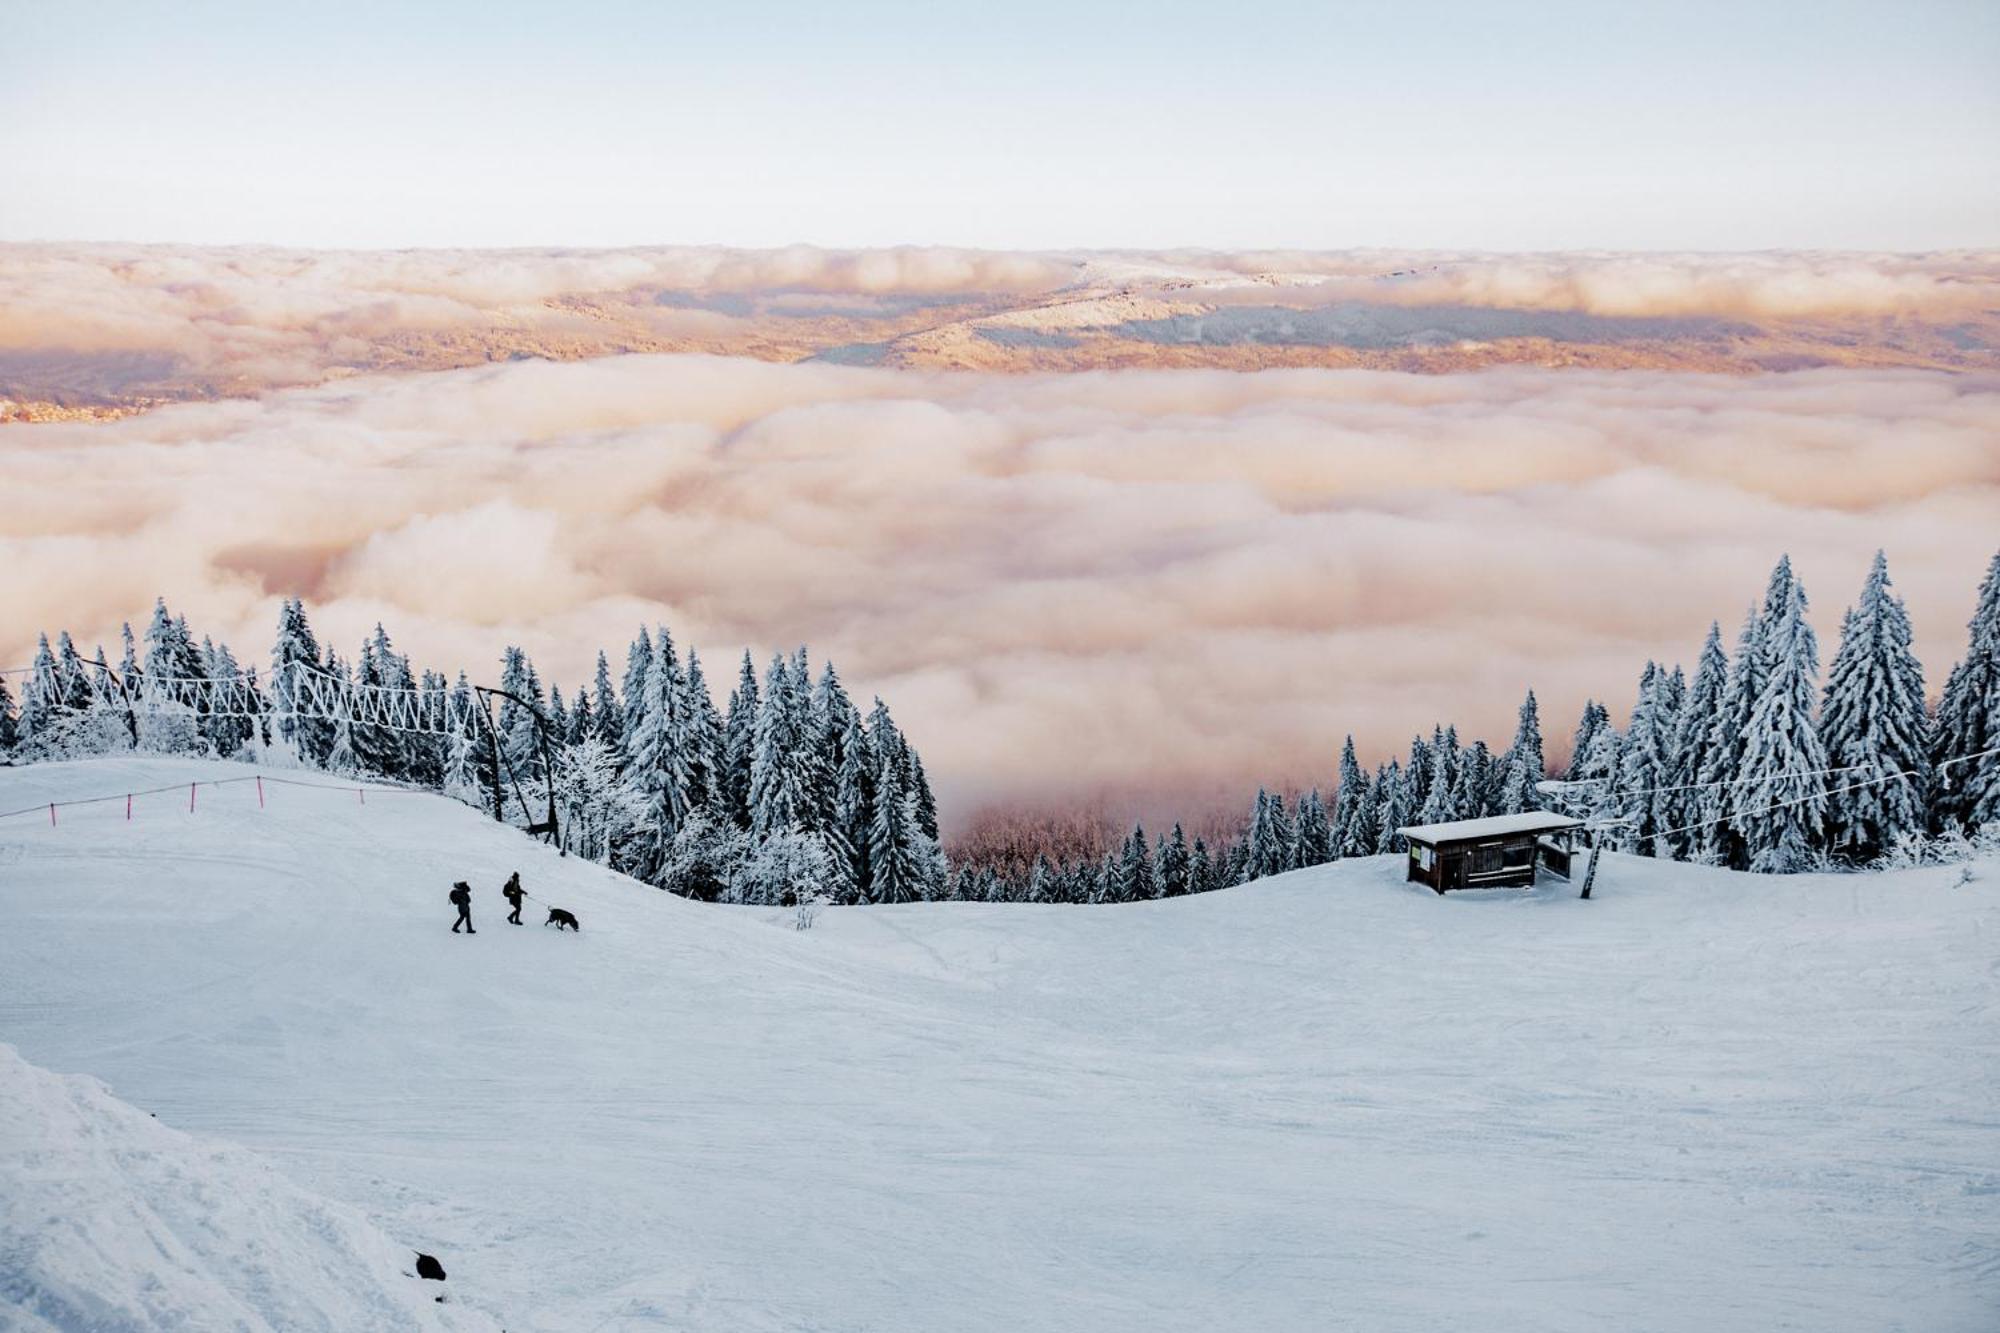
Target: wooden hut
1503,851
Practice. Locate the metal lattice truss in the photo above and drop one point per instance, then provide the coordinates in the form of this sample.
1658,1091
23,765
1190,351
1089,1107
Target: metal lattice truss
297,690
303,692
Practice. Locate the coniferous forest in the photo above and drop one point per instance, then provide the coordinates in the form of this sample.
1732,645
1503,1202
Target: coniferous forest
787,792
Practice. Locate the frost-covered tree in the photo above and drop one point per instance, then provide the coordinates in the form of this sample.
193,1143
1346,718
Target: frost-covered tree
1523,765
1393,808
295,653
607,714
702,859
7,718
1349,835
1872,721
633,702
897,862
599,811
789,867
1679,811
850,825
1780,804
1643,763
1967,789
41,695
1132,877
1717,839
739,742
1440,803
1172,866
782,776
1312,832
1596,718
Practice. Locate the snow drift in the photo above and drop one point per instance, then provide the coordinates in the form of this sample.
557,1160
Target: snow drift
1704,1101
111,1220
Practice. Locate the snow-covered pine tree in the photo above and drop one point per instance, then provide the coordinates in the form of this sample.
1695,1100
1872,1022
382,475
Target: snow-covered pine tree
896,864
649,761
1393,808
1966,794
1312,832
1641,767
1523,765
1365,833
781,774
296,653
697,739
1873,721
1134,878
1348,799
582,719
830,710
340,736
1201,868
1171,868
739,742
227,732
7,718
1680,808
1440,803
1479,781
1780,803
1596,717
41,695
920,791
853,810
1716,839
607,714
632,697
1419,772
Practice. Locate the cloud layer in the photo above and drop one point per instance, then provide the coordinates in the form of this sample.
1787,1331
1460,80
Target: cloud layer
123,326
1144,582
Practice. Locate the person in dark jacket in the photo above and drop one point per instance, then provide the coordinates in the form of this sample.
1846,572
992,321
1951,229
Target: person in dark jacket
461,897
512,893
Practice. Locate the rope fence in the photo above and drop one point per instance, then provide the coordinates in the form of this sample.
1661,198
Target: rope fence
359,790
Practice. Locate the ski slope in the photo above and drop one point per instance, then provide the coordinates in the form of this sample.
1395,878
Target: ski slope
1704,1101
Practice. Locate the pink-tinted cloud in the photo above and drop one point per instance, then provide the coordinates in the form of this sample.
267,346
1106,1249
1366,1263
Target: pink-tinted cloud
1159,581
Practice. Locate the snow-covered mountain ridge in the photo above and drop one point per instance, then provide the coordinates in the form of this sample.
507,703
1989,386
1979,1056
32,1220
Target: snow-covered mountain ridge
1326,1100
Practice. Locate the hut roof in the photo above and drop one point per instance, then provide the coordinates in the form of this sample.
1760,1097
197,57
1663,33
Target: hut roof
1494,826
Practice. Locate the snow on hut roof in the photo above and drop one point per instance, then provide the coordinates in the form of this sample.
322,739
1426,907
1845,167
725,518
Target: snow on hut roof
1494,826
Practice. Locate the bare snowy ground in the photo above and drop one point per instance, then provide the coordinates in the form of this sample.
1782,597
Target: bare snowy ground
1705,1101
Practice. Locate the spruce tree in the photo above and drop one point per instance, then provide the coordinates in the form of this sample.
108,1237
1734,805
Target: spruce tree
1642,765
1393,809
1716,839
1966,794
1172,867
1780,802
897,874
1348,800
1312,833
1523,765
1680,809
7,723
1873,721
739,741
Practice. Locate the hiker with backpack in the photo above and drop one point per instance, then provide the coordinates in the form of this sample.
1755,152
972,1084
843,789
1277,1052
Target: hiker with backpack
513,894
461,897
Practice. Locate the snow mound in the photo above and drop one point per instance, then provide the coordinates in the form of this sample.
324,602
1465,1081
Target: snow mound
110,1220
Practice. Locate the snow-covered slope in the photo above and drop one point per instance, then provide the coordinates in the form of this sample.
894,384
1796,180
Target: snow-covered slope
1702,1101
112,1220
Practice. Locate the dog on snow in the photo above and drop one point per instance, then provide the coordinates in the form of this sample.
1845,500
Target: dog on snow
559,918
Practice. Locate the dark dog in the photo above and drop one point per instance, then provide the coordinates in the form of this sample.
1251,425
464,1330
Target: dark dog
428,1267
559,918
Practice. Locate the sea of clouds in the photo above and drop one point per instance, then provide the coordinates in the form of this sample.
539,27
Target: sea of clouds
1160,581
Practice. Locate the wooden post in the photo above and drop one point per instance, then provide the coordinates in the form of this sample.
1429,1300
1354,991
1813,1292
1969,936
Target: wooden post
1590,870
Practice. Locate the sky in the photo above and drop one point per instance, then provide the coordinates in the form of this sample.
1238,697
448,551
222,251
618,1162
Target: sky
1434,123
